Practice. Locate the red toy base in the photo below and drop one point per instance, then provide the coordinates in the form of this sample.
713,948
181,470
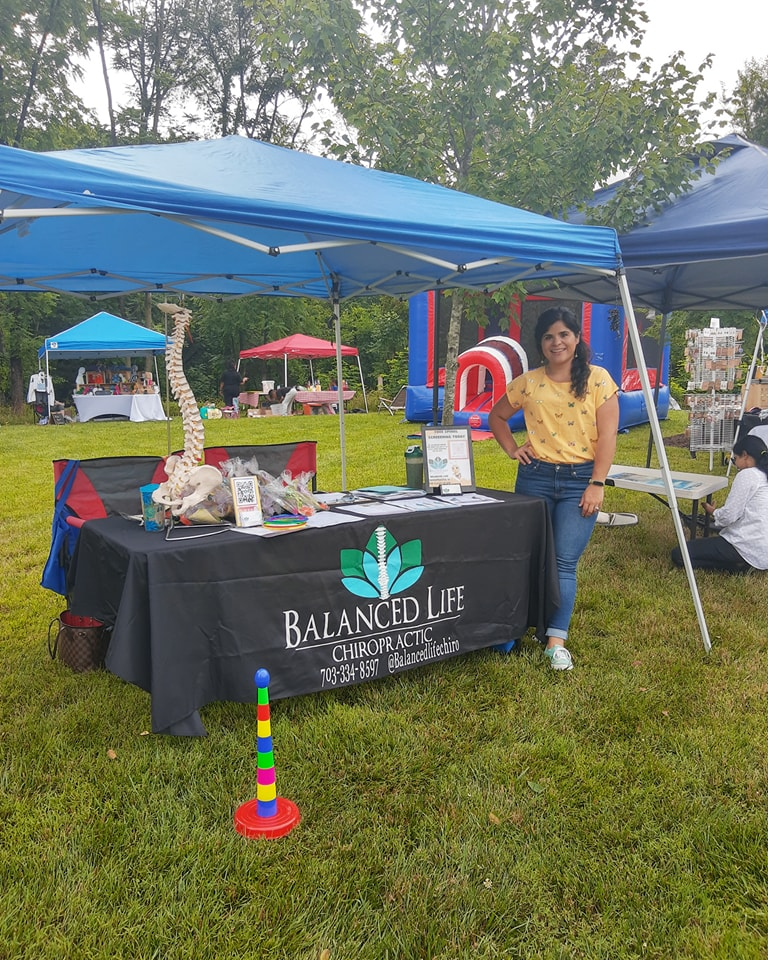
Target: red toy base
250,824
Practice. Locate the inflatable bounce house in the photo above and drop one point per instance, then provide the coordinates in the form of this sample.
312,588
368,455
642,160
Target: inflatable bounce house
485,368
421,359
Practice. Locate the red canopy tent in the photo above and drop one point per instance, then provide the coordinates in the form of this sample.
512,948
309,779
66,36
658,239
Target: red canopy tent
300,345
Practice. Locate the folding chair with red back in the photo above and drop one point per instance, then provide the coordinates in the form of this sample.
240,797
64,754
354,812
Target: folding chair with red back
296,458
89,490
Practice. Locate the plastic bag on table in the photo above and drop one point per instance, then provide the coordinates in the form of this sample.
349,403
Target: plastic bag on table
215,506
237,467
287,494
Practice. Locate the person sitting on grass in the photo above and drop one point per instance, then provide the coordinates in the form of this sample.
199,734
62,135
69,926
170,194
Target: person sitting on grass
742,541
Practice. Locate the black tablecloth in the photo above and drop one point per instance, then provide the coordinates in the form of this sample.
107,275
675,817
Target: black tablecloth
194,619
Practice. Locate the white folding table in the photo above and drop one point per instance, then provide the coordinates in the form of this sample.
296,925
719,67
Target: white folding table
687,486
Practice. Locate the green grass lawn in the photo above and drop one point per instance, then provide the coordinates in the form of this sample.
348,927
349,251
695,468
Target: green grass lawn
482,807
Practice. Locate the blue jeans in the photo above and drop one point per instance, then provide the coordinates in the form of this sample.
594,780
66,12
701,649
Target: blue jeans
561,486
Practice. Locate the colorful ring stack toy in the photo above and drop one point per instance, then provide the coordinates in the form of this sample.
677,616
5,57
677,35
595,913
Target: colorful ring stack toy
285,521
268,815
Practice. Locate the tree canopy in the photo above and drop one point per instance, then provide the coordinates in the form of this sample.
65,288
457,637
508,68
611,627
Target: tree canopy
750,101
530,103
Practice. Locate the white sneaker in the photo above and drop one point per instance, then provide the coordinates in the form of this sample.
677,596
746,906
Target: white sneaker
559,658
617,519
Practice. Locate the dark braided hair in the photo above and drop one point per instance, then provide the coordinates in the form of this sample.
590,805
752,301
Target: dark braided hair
580,365
754,447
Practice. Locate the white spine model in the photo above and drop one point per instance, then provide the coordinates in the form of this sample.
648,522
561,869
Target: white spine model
182,471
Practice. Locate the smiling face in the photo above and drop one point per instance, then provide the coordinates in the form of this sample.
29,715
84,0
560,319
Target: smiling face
558,344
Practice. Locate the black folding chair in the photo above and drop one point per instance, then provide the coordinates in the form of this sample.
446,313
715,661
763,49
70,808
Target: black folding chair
40,407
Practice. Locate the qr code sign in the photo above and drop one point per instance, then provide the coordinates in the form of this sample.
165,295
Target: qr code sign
245,490
245,493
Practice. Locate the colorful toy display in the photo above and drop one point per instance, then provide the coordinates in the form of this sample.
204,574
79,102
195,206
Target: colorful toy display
268,815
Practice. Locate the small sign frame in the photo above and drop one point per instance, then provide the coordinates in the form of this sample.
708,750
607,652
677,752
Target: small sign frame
449,465
247,501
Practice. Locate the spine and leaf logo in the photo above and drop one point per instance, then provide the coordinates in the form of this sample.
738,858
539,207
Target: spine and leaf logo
383,568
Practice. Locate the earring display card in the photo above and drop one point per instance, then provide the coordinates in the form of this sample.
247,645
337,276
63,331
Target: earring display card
245,493
448,462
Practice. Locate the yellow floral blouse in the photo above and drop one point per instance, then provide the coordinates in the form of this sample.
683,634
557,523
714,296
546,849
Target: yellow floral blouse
561,428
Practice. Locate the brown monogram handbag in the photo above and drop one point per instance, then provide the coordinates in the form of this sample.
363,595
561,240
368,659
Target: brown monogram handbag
80,642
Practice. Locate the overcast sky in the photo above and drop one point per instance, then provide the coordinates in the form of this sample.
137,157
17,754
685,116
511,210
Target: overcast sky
732,30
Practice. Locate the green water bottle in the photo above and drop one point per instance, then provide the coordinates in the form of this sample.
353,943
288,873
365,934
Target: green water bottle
414,467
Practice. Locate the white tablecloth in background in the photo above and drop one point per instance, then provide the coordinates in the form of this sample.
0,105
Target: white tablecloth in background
147,406
132,406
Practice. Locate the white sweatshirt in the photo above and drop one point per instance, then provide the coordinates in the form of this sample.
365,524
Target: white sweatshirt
743,518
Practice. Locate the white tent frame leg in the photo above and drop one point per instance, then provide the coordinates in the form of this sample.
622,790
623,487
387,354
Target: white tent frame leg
661,453
47,387
362,383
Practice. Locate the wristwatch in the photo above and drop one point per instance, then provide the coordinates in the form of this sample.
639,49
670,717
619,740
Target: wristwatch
596,483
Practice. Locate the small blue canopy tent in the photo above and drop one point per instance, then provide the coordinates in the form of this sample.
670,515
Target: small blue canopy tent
103,335
237,217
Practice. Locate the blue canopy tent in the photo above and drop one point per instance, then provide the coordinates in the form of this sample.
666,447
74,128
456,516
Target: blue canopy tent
103,335
707,249
234,217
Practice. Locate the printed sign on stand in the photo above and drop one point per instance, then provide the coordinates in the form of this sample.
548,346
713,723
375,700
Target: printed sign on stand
448,463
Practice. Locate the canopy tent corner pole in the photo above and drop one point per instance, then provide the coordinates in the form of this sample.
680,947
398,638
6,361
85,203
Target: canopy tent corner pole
661,453
362,384
762,321
47,386
339,380
167,389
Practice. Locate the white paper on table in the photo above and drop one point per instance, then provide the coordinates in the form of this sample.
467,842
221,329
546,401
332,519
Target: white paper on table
470,498
431,503
374,508
323,518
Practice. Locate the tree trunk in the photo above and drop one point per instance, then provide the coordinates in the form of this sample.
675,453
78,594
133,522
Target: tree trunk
17,389
105,70
451,356
159,92
29,93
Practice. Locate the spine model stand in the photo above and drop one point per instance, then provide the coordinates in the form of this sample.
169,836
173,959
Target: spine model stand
185,474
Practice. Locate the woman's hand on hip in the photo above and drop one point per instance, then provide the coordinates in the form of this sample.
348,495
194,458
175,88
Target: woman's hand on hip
524,453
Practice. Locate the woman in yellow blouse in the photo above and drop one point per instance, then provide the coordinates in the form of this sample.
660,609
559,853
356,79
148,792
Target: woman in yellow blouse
571,412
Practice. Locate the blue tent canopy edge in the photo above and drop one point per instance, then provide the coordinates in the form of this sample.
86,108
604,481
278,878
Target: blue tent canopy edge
236,216
104,335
